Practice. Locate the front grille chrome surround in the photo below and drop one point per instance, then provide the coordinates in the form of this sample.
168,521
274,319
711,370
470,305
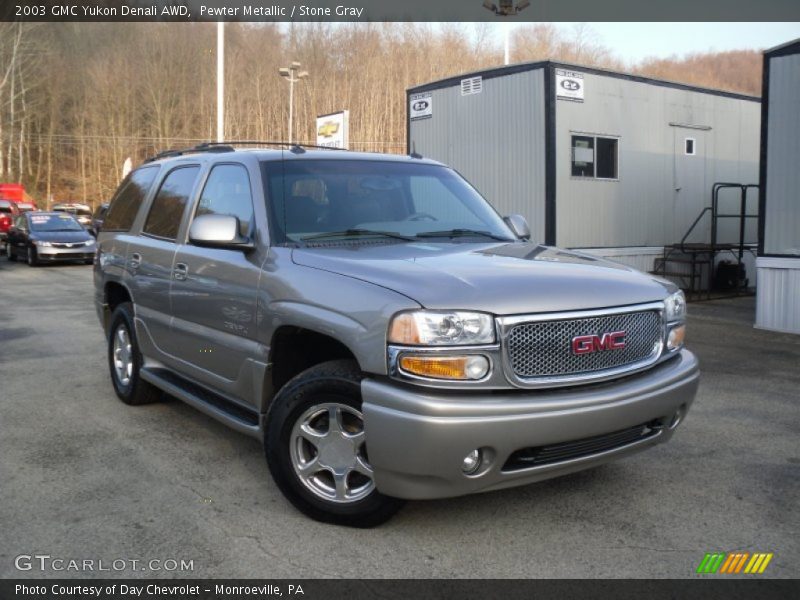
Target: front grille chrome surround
537,350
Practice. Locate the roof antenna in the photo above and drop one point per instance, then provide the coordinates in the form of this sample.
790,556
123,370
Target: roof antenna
413,153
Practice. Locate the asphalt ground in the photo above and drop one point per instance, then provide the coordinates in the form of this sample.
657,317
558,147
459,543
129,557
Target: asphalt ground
82,476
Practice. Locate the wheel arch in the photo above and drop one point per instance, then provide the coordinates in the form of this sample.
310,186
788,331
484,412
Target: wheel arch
295,348
114,294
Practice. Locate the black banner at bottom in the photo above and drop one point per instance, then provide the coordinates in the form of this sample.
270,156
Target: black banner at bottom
405,589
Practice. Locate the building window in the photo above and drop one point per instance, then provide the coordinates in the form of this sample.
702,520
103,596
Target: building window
689,145
595,157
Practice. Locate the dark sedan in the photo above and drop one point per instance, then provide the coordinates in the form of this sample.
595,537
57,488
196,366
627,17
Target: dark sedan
50,237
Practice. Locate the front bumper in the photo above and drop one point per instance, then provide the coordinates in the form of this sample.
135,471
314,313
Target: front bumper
417,439
45,254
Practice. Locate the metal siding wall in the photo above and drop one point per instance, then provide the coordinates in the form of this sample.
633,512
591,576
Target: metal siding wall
638,258
782,218
641,209
495,139
778,298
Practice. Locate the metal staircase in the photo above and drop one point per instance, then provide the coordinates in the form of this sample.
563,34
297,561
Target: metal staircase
692,263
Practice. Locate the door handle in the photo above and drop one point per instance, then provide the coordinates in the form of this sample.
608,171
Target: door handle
136,260
180,271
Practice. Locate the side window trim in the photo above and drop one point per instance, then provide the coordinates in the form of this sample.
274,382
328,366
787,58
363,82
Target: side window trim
191,199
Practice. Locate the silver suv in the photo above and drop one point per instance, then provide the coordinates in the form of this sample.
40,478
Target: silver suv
380,327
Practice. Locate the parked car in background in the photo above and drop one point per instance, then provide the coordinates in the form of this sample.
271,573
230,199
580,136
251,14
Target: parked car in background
98,217
8,212
26,206
81,212
49,237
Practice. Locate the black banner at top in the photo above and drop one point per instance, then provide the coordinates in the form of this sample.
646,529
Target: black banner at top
400,10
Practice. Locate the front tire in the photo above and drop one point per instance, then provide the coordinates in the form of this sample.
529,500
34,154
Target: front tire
315,445
125,359
33,260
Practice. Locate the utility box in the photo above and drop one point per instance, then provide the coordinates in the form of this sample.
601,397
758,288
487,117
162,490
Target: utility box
778,263
613,163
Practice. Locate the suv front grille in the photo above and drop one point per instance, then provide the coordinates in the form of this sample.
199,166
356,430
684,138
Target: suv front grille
543,349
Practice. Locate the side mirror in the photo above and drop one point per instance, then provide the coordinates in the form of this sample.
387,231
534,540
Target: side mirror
218,231
519,226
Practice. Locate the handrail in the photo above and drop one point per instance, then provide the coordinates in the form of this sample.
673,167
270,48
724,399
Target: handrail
696,221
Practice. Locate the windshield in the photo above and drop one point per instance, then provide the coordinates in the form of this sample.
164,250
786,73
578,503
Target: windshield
327,200
60,222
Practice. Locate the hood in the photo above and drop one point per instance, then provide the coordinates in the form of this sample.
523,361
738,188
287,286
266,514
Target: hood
61,236
504,279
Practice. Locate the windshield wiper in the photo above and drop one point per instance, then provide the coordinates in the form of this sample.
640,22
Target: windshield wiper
356,233
452,233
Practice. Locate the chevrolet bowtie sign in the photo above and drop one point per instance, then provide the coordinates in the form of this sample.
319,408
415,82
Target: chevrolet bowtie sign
332,130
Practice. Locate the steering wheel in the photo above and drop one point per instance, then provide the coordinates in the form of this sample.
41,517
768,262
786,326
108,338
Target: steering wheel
420,216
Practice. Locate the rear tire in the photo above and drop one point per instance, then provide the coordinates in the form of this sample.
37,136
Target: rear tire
10,254
316,451
125,360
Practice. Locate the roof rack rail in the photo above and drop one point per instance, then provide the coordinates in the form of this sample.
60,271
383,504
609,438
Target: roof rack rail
181,151
293,146
228,146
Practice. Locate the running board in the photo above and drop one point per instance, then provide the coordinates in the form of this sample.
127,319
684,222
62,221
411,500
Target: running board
232,414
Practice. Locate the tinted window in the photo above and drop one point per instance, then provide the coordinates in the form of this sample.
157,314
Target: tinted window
309,197
227,192
54,222
432,198
128,199
164,218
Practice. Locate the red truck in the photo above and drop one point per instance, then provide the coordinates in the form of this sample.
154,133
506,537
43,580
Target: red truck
16,193
13,201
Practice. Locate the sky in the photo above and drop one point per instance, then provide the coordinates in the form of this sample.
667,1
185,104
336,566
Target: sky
634,41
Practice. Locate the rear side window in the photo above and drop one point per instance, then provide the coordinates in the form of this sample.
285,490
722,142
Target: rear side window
164,218
128,199
227,192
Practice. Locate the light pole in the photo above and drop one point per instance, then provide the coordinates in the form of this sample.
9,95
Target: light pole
293,74
506,8
220,81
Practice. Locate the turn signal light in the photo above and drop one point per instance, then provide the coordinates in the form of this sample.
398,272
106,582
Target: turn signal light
446,367
676,337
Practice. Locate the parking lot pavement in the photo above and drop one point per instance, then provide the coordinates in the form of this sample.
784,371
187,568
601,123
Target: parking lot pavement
85,477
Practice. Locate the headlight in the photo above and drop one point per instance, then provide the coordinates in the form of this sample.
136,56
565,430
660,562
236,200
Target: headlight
441,328
42,244
89,242
675,307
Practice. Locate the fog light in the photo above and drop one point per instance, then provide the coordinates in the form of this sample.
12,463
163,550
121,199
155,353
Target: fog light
446,367
472,462
676,337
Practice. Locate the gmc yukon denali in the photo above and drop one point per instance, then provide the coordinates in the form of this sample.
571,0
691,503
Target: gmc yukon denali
380,327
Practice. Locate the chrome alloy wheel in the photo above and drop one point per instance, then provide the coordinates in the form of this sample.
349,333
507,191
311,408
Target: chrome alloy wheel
329,455
123,355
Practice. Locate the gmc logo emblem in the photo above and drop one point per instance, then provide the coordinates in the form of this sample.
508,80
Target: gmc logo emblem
586,344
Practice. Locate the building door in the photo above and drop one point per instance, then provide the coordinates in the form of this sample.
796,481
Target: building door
692,192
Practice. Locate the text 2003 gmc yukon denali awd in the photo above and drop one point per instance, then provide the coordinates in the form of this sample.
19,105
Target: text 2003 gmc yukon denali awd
385,332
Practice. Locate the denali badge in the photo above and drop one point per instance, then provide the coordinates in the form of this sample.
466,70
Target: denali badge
586,344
